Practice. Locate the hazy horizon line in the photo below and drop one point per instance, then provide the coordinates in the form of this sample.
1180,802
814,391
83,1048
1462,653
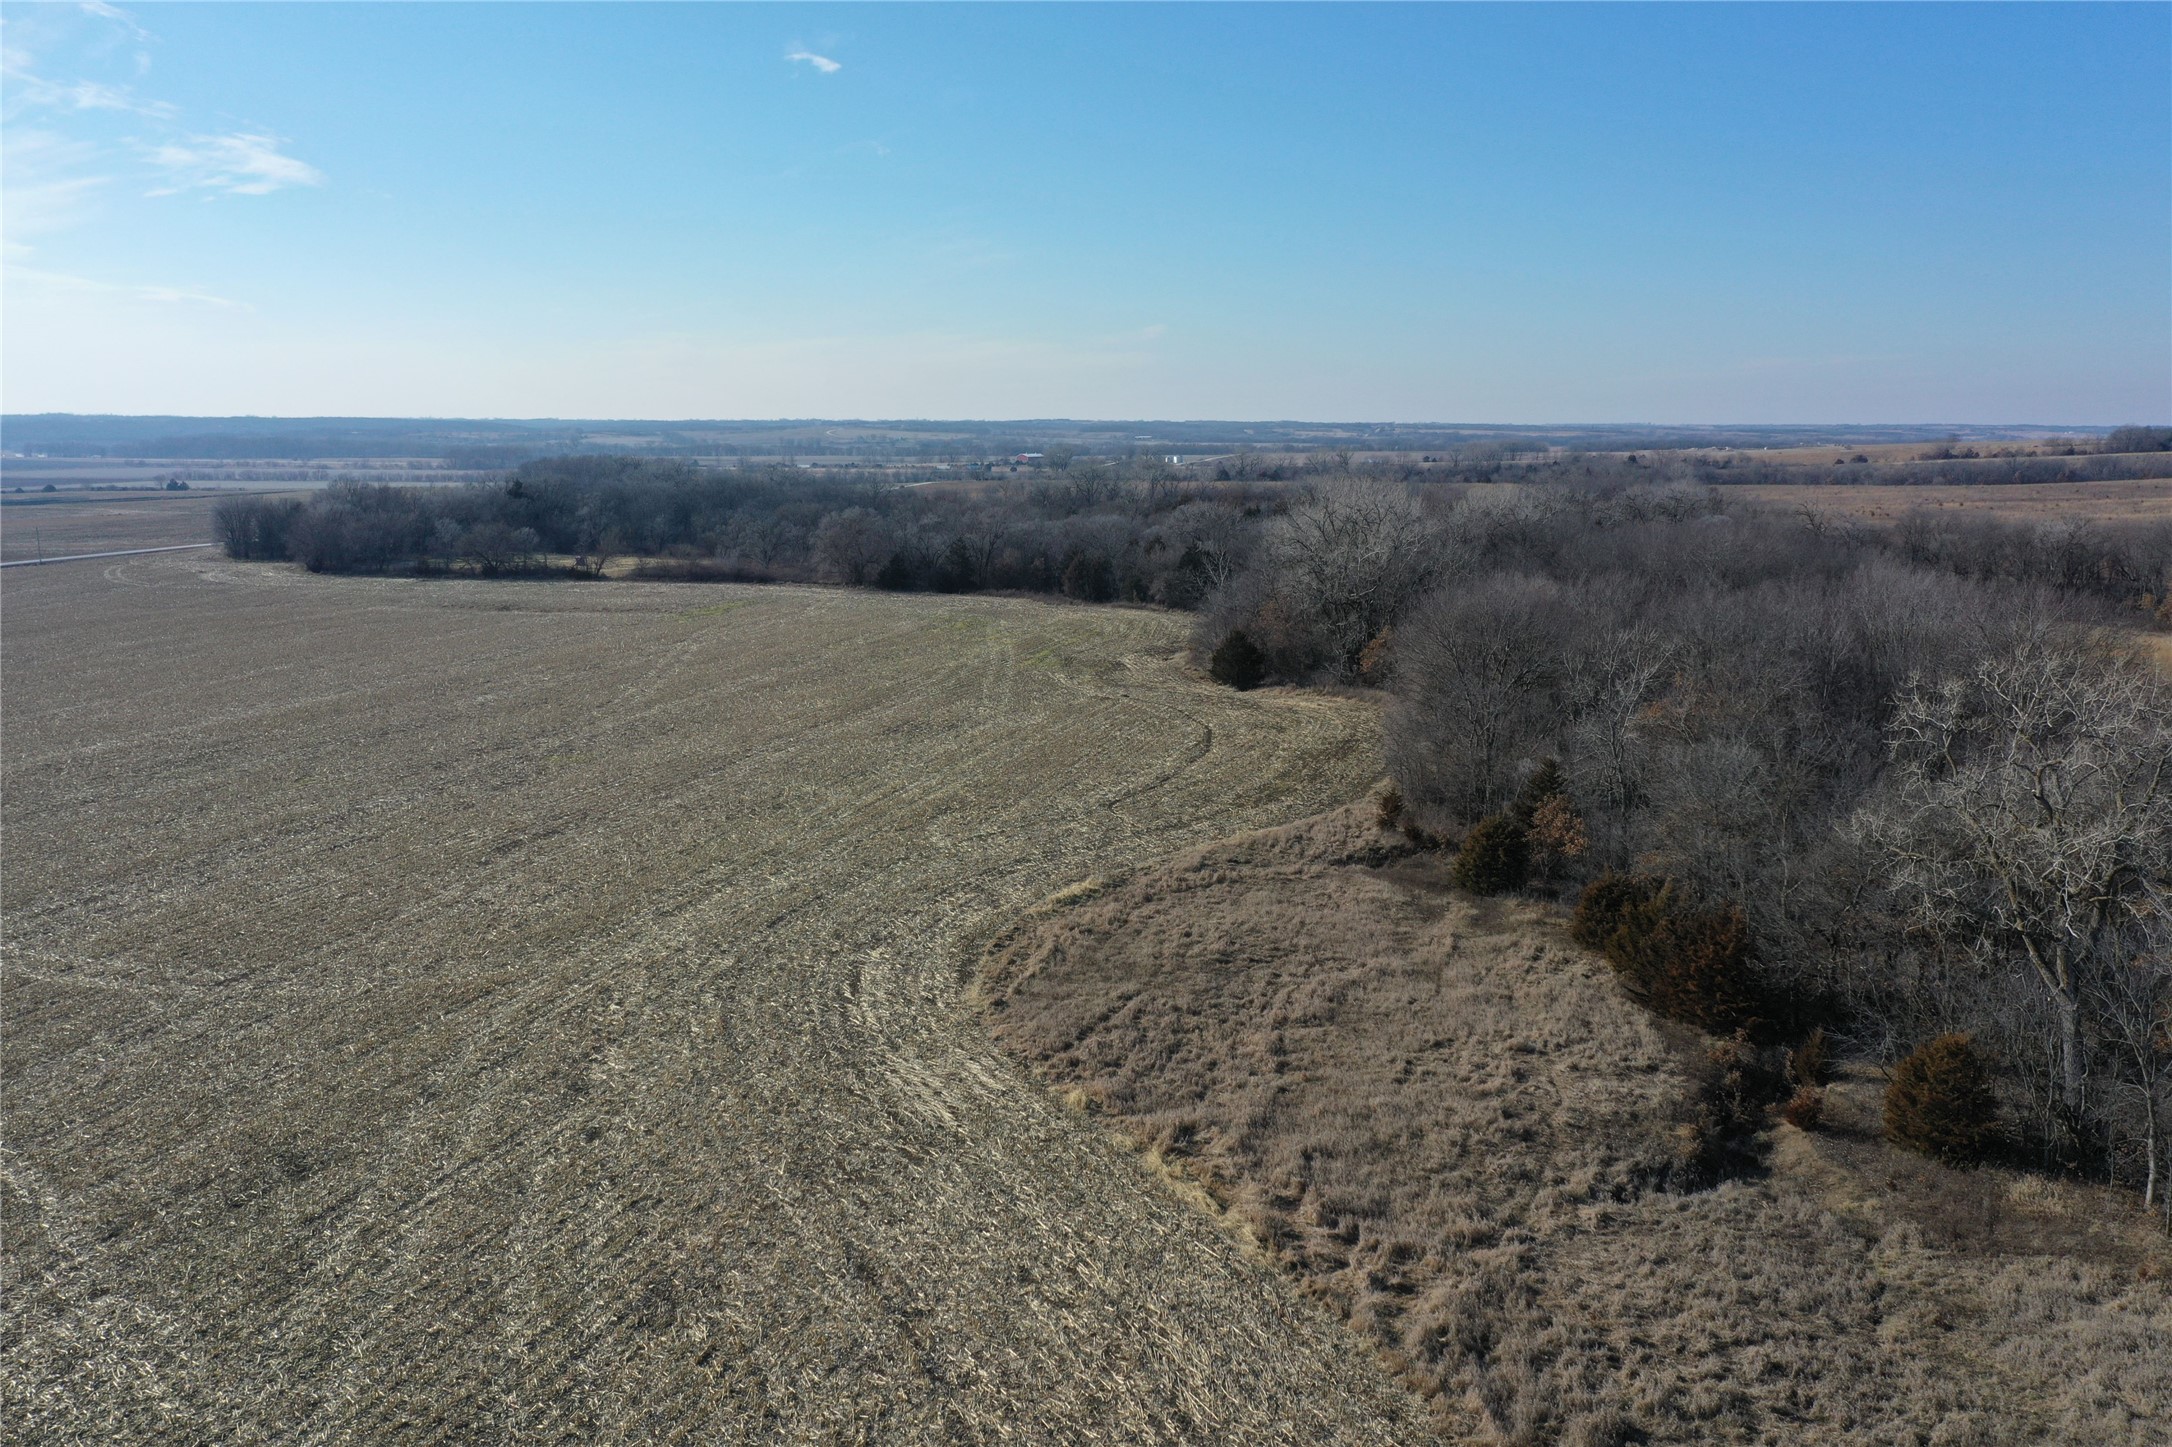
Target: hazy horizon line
1083,421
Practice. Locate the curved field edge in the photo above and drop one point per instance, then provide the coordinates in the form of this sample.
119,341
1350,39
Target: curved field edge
502,1012
1440,1117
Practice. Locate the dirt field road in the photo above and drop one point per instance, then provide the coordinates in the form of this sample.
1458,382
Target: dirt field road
534,1013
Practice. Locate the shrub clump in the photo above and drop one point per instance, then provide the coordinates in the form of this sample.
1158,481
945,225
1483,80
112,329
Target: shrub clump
1495,857
1686,962
1810,1063
1391,808
1605,902
1376,660
1939,1102
1732,1092
1090,578
1546,783
1805,1109
1238,662
1552,828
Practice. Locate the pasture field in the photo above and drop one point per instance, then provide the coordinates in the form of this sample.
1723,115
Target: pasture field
2145,500
510,1013
1442,1117
97,522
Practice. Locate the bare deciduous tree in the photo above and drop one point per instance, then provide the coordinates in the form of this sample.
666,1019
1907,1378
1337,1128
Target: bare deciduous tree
1478,671
849,546
2029,824
1355,555
1217,537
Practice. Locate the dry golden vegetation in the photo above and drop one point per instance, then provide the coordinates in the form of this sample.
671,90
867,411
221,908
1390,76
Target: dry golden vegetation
456,1011
2148,500
103,522
1443,1119
1825,454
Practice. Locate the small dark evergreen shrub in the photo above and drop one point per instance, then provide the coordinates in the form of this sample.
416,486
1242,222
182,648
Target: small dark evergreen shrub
1376,660
1732,1092
1238,662
1687,963
1605,901
1810,1064
898,575
1546,782
1939,1102
957,570
1391,808
1495,858
1805,1108
1089,578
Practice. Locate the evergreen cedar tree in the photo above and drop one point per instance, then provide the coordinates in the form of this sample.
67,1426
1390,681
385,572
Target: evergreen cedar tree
1546,782
1496,855
1684,962
1939,1102
1238,662
1495,858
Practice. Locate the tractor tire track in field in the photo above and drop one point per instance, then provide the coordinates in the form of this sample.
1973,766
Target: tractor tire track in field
442,1011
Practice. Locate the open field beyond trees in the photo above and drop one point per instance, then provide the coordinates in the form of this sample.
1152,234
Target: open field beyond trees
450,1011
2144,500
1444,1119
89,522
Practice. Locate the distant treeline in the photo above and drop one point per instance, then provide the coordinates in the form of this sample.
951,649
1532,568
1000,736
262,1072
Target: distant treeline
1088,534
1962,468
1143,534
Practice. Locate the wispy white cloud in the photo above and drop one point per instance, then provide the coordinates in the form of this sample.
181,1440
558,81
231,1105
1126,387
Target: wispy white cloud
50,282
50,182
820,62
118,16
240,163
28,90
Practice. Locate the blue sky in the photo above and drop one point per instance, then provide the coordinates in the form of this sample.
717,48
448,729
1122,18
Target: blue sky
1739,213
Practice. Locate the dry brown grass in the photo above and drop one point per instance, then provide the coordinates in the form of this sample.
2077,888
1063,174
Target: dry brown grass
2148,500
511,1013
1443,1119
2157,646
1826,454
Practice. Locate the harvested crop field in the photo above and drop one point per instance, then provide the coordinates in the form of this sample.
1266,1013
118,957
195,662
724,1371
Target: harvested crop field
86,522
455,1011
1443,1119
2147,500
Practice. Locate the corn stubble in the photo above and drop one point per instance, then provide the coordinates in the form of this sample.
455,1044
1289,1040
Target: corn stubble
531,1012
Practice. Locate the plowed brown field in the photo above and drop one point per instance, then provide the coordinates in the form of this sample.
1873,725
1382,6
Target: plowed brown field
535,1013
91,522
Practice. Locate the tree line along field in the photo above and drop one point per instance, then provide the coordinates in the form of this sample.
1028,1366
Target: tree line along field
453,1011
